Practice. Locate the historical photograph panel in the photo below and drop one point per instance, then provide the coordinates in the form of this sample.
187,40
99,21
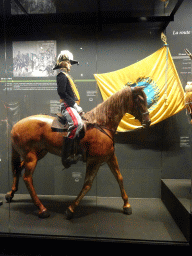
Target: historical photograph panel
34,58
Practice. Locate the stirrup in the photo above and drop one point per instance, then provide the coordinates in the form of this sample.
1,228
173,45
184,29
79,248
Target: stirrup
71,160
75,158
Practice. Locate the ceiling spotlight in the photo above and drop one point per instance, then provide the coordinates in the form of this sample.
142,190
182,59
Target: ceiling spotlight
143,18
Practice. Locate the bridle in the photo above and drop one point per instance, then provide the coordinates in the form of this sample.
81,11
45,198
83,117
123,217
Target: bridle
135,105
146,113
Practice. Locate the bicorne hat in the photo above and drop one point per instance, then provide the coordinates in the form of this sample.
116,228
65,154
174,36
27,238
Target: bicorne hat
65,56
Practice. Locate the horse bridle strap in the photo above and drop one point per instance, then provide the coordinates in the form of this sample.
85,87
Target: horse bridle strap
101,129
134,94
146,113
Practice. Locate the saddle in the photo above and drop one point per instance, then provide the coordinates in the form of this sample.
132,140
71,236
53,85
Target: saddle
60,124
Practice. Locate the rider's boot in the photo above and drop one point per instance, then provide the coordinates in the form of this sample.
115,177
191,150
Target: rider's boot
68,156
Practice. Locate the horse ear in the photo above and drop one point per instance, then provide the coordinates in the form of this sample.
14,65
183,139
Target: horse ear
137,89
142,87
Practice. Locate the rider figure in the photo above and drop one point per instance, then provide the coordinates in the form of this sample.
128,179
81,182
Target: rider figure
68,99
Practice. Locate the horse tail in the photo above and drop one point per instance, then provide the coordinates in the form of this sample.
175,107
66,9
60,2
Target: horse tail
17,164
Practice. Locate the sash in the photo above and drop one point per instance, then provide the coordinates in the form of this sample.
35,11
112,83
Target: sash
73,86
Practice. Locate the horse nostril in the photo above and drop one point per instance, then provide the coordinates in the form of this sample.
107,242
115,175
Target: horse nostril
146,124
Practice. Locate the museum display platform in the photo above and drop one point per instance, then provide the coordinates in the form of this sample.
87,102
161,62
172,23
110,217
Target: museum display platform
96,217
176,195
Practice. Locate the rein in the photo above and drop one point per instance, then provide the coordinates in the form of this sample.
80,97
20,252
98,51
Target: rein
101,129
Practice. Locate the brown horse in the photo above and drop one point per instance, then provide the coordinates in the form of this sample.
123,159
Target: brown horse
32,138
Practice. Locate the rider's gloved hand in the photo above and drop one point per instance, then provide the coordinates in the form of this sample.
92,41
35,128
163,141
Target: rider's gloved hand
78,108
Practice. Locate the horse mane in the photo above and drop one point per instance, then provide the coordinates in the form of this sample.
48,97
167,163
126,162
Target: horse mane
111,111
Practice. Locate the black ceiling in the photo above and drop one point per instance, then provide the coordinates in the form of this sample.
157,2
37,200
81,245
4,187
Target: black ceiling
148,14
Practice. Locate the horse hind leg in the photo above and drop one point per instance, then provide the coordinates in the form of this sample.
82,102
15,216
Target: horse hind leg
114,166
17,167
30,164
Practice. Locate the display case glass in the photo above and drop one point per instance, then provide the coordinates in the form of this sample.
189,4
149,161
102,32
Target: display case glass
155,163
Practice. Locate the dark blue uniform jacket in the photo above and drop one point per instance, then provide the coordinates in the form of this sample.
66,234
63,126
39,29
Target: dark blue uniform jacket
64,89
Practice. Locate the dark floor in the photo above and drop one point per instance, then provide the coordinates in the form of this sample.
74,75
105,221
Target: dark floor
95,217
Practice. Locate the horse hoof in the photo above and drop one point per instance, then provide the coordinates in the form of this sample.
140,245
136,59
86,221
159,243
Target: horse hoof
44,214
69,214
127,210
8,198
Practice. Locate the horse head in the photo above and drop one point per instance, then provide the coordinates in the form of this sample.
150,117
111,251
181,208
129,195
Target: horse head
140,110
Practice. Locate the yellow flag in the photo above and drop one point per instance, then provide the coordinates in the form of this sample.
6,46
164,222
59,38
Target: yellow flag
157,72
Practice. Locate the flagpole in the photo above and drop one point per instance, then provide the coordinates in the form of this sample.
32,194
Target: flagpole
166,72
164,39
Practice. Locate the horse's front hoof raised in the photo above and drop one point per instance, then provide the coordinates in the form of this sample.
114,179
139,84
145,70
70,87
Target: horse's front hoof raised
69,214
8,197
44,214
127,210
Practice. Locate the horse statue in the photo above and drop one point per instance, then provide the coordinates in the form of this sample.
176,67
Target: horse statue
32,138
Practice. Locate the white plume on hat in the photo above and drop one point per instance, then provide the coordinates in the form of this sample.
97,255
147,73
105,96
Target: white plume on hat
65,55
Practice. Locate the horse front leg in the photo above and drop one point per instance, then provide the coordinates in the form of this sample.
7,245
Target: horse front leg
91,171
30,164
114,166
